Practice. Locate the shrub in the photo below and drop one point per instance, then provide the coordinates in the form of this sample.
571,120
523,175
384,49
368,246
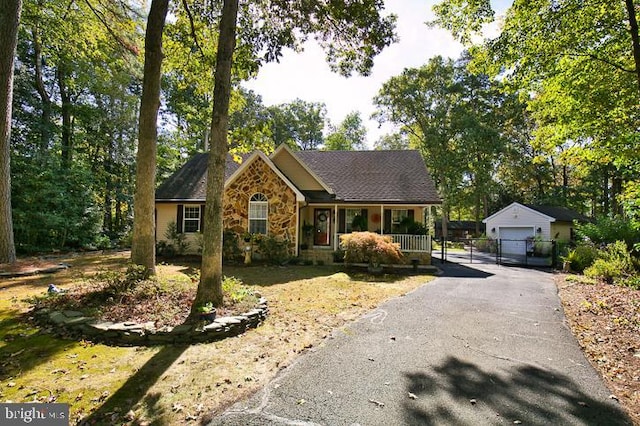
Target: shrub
613,263
230,249
235,290
119,282
370,248
273,249
176,239
609,230
581,257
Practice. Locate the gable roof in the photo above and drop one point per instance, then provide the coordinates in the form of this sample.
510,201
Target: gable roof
561,214
399,177
552,213
373,176
190,181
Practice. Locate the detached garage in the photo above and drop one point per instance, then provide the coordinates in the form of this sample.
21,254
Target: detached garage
517,222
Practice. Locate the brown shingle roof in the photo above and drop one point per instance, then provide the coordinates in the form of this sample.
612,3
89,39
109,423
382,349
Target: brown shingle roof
561,214
354,176
373,176
190,181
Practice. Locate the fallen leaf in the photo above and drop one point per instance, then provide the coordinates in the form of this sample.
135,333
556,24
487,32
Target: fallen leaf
301,401
412,396
583,404
177,407
473,401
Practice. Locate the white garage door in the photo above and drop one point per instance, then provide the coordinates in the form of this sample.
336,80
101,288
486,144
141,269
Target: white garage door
513,239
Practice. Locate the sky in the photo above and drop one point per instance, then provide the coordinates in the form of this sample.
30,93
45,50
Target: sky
307,76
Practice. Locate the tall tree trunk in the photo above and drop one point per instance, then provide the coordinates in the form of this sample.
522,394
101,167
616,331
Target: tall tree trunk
67,136
9,19
45,115
143,250
635,38
210,287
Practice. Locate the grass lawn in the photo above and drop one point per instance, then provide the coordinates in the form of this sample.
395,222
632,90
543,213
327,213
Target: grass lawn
170,385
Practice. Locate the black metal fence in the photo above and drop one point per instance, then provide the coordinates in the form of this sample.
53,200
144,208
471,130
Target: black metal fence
529,252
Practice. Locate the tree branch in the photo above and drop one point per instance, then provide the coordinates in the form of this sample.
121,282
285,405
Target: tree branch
193,27
597,58
127,46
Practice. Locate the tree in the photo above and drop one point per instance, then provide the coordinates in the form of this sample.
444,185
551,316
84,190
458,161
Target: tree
143,245
392,141
351,33
9,20
578,65
422,101
350,135
299,124
210,286
453,117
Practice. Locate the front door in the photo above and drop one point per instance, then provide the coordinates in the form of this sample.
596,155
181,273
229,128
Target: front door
322,225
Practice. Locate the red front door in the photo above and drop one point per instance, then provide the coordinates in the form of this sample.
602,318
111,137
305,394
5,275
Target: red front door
322,225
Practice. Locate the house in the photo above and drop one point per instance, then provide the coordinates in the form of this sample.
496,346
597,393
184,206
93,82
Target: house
517,222
308,198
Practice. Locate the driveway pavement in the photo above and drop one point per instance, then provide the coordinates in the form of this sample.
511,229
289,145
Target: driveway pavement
480,345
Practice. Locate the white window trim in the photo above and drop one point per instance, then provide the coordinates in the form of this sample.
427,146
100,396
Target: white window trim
186,219
264,202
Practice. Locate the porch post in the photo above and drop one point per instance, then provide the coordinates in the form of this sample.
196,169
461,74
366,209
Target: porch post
381,219
335,227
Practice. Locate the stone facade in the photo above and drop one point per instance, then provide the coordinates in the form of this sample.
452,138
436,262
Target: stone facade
260,178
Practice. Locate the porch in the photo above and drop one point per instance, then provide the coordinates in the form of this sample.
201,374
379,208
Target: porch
408,243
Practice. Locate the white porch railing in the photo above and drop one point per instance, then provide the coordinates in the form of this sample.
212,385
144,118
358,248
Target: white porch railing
409,243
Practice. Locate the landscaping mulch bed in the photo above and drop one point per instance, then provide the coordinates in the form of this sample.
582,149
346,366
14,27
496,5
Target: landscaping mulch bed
606,321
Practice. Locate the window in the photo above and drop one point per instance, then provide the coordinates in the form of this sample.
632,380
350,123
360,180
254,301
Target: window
191,219
258,211
398,215
349,215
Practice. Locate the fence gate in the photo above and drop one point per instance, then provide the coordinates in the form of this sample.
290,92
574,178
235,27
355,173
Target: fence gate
502,252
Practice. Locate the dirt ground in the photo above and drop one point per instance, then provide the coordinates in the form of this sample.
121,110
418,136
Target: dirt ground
606,322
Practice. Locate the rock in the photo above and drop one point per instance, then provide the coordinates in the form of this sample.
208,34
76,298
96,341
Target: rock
57,317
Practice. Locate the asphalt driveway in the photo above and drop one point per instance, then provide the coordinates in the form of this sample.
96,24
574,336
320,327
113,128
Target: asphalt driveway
481,345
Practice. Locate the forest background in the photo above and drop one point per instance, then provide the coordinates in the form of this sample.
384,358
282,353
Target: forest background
546,113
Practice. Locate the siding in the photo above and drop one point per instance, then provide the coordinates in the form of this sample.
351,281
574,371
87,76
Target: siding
524,218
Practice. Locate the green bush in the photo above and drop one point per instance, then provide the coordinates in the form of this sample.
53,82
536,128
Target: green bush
609,230
118,282
633,282
230,248
613,263
273,249
581,257
370,248
235,290
178,240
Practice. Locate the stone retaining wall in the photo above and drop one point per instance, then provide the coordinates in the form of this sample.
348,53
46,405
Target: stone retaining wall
76,324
